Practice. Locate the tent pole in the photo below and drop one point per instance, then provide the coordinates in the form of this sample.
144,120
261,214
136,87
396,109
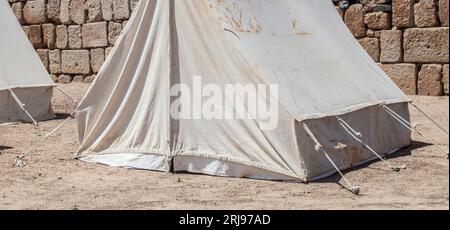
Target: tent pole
354,189
21,105
19,161
357,136
409,126
429,118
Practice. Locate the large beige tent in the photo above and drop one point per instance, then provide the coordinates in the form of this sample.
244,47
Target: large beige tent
25,86
330,91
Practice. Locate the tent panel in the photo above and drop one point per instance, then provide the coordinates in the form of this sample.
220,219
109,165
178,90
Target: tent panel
303,46
20,65
215,167
37,102
380,131
128,104
131,160
210,55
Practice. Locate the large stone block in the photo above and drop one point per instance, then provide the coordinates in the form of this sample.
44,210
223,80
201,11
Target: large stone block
75,41
426,45
354,18
425,13
62,38
445,79
17,9
78,11
75,62
78,79
95,35
372,47
64,13
121,9
430,80
35,36
107,10
49,31
391,46
97,59
378,20
54,57
403,13
64,79
133,4
34,12
404,75
114,29
443,12
43,54
94,8
53,10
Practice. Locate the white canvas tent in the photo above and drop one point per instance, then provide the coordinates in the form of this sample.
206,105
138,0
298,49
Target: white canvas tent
302,46
23,77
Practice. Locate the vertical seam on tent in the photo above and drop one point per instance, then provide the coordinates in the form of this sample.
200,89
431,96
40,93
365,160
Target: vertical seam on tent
301,162
174,78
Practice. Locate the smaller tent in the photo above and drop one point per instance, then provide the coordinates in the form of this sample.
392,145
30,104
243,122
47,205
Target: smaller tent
25,86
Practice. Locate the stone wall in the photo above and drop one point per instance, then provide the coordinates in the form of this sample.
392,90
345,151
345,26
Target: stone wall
409,38
73,37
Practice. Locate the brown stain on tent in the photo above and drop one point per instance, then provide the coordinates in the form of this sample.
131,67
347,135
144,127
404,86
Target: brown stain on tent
240,22
352,152
303,34
299,34
208,56
236,18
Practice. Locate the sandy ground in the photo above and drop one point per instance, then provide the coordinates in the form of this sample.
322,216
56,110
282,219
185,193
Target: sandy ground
53,180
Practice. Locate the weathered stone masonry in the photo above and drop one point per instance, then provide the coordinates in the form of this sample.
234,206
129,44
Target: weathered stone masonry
409,38
73,37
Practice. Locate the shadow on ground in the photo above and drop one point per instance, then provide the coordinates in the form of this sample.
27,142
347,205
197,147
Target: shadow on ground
62,116
407,151
4,147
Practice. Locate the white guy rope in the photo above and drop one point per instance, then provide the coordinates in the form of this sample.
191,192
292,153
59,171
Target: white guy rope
409,126
19,161
357,137
8,124
354,189
429,118
19,158
21,105
67,95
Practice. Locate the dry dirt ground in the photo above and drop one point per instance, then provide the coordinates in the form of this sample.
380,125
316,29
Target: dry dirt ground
53,180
